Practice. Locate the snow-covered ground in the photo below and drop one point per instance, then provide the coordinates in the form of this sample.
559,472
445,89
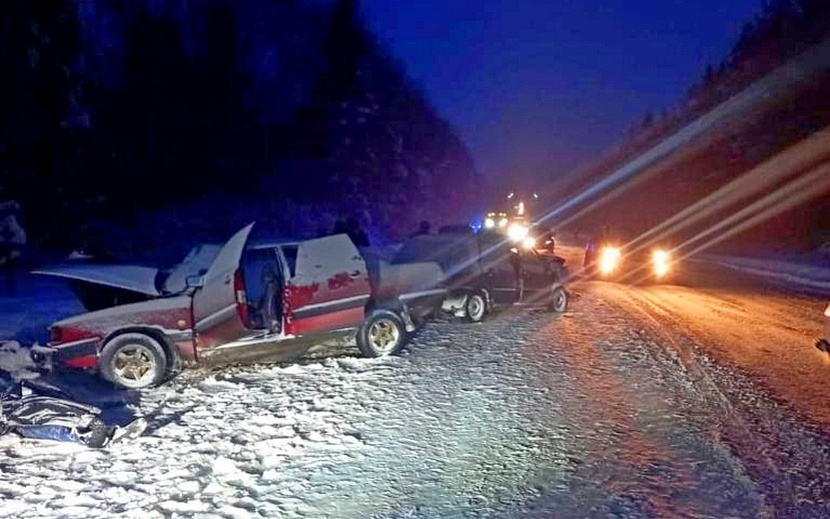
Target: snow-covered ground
527,415
810,271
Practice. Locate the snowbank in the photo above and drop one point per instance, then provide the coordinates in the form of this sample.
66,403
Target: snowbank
807,271
16,360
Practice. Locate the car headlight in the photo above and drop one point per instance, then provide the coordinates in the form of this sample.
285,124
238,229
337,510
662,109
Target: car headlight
661,262
503,223
609,259
529,242
489,223
517,232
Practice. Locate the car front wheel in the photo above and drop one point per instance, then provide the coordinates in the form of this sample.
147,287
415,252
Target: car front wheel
559,300
133,361
381,334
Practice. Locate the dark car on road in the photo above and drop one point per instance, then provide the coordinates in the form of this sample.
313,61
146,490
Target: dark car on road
485,270
241,301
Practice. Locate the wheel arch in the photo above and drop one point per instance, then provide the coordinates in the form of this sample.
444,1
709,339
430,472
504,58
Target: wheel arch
393,304
468,290
487,297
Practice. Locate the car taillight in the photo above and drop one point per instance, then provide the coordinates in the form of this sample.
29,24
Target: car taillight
55,335
241,297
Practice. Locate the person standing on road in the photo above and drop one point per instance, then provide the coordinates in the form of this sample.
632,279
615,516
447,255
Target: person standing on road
423,228
357,233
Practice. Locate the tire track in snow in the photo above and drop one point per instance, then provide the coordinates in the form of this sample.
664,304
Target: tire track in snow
764,436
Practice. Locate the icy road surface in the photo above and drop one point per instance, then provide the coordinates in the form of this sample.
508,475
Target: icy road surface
698,398
590,414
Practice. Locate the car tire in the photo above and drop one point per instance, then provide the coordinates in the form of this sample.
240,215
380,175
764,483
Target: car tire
271,314
381,334
475,308
133,361
559,300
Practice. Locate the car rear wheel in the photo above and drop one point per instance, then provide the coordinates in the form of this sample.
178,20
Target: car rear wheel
381,334
476,308
133,361
559,300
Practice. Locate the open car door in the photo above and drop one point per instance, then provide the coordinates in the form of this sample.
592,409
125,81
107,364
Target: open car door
329,287
220,304
497,261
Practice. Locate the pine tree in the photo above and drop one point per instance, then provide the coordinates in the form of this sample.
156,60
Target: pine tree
38,41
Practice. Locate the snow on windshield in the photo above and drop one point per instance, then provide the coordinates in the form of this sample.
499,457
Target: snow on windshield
196,263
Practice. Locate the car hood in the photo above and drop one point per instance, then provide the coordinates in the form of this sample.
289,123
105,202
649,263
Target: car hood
134,278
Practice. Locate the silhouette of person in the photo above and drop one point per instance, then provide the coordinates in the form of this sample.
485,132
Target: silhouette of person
357,233
423,228
340,226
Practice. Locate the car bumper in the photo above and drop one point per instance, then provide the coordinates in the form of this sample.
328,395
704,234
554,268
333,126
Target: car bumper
75,355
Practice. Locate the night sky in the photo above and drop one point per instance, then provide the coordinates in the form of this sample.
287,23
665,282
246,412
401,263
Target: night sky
535,87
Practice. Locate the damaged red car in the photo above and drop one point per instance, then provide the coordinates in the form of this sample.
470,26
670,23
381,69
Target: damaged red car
243,301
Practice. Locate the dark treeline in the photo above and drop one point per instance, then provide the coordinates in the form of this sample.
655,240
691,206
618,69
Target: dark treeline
111,108
781,31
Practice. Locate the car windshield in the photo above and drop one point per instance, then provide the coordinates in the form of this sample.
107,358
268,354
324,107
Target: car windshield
196,263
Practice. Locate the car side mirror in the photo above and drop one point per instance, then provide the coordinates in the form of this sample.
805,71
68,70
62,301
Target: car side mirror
194,281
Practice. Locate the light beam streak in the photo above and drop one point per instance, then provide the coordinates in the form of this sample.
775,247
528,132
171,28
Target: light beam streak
797,71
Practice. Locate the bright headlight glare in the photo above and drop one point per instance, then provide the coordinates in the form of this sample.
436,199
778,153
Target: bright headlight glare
489,223
529,242
517,232
660,259
660,256
609,259
503,222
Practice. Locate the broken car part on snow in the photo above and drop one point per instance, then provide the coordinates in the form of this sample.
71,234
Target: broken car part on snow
24,410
